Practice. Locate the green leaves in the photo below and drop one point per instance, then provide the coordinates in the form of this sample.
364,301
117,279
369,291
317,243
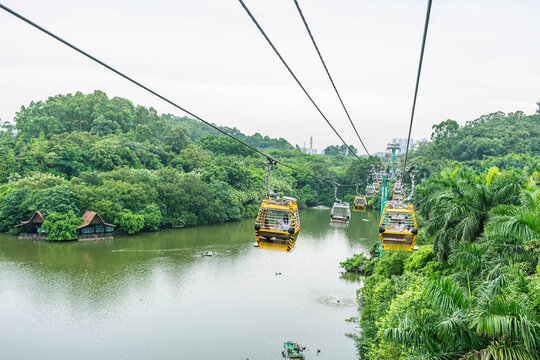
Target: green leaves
62,226
130,223
457,204
446,295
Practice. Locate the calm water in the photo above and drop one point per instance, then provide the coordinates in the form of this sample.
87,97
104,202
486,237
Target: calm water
153,296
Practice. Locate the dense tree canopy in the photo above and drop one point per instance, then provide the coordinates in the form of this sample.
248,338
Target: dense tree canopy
141,170
470,292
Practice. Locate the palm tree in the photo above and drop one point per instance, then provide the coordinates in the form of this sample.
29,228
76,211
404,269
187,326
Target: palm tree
491,311
456,205
487,327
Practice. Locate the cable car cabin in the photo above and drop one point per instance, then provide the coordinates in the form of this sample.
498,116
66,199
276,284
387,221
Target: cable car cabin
277,224
398,228
341,212
397,196
360,203
370,191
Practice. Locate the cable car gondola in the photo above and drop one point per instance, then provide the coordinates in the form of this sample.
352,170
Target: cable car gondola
398,228
360,203
370,191
341,211
397,193
278,223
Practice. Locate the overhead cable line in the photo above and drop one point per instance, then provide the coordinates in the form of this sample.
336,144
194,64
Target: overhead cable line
417,80
294,76
65,42
357,184
328,73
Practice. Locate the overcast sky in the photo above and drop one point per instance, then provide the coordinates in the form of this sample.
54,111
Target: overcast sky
481,56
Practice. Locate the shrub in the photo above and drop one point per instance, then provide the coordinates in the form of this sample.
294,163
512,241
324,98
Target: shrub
62,226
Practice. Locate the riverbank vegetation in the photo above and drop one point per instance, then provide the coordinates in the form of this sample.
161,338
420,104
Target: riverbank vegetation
472,289
144,171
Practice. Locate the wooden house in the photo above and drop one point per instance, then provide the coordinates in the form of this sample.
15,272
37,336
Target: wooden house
33,227
94,227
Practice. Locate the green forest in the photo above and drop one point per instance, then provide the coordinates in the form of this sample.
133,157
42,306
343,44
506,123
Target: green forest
472,290
143,171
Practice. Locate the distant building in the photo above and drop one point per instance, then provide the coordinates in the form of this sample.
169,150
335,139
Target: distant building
311,150
538,110
94,227
402,142
32,228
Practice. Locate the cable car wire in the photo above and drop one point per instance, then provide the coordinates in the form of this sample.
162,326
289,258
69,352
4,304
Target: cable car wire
328,73
417,80
65,42
294,76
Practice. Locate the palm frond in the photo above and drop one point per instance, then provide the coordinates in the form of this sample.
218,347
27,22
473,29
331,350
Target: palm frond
455,328
446,295
508,320
501,351
408,333
467,256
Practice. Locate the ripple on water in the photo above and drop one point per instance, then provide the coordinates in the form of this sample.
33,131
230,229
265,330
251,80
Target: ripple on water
336,301
148,250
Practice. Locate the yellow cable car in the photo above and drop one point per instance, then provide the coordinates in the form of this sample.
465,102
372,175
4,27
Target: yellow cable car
360,203
398,228
277,224
397,196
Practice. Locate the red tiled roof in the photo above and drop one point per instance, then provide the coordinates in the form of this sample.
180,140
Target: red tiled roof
37,216
89,215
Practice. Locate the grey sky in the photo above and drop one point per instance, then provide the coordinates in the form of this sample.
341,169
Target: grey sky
481,56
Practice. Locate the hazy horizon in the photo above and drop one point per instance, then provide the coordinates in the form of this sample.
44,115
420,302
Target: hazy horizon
208,56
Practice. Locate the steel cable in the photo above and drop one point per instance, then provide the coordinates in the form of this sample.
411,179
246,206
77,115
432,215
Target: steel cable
294,76
329,76
417,80
65,42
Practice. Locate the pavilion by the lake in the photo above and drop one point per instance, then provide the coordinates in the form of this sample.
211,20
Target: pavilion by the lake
93,227
32,228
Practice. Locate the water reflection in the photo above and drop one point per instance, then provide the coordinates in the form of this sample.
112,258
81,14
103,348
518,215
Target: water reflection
154,296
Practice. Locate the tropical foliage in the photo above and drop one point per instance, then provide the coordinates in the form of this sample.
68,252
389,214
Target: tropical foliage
62,226
474,293
142,171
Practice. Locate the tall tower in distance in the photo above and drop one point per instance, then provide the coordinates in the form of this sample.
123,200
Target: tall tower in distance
311,144
538,110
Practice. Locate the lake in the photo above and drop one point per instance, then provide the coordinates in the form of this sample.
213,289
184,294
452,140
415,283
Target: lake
153,296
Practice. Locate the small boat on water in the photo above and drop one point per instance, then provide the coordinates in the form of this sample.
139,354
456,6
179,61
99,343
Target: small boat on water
293,350
210,253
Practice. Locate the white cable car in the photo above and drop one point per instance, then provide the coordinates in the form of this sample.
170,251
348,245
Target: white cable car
341,211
